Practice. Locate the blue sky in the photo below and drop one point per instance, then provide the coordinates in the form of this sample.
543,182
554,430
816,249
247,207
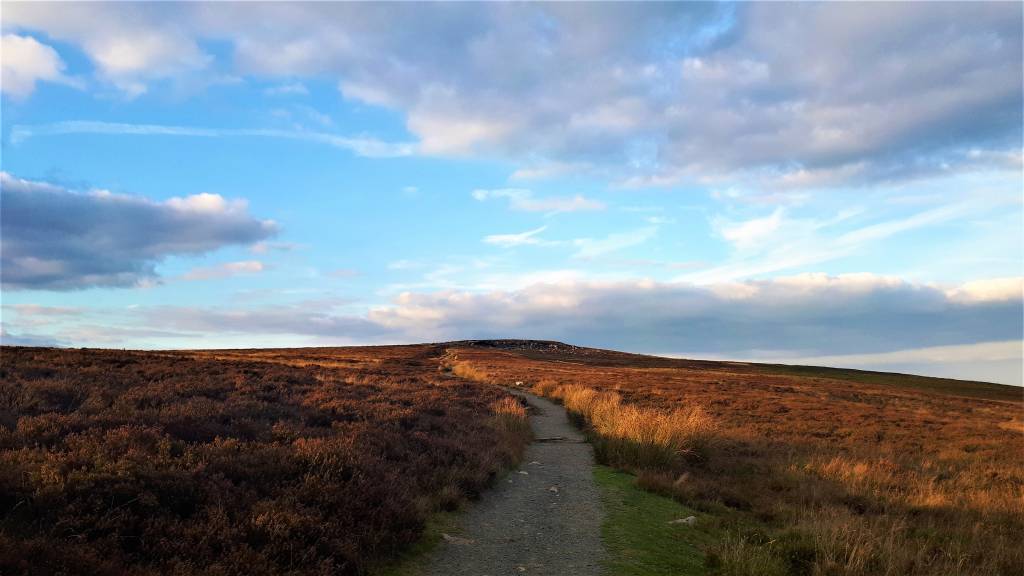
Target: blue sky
828,183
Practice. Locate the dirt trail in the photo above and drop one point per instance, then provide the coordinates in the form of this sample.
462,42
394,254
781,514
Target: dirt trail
544,518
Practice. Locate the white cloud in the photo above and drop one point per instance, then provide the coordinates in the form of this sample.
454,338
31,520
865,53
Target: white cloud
206,203
130,45
524,200
358,145
988,290
594,247
226,270
750,233
455,134
287,89
27,61
520,239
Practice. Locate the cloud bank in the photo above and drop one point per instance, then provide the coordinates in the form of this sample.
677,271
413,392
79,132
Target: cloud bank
58,239
814,315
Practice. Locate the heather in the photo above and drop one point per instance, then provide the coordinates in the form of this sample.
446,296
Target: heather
236,462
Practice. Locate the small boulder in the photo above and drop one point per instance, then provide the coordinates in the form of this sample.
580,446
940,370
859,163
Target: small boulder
689,521
455,539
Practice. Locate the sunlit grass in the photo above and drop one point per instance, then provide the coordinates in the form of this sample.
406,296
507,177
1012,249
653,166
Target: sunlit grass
636,438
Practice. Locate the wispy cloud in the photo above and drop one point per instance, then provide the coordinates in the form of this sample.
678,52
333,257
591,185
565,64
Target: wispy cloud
778,242
585,248
358,145
520,239
267,247
287,89
226,270
593,247
524,200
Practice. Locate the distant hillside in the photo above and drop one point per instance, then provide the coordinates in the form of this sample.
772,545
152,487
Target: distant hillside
552,350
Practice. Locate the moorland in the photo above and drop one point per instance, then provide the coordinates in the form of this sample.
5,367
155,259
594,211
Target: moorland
332,460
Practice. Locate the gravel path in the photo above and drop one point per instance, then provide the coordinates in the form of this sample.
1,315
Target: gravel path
544,518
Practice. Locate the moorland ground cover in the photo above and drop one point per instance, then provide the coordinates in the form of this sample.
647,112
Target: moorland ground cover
314,461
802,470
328,460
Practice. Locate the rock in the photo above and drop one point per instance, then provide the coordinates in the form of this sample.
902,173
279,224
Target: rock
689,521
553,489
535,462
455,539
524,472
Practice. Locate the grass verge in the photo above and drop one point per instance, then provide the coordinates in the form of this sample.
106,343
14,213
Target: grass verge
637,534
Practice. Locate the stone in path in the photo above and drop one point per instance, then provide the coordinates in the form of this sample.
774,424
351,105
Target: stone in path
545,522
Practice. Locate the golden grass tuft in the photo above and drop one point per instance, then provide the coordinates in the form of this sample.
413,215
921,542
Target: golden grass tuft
467,371
631,437
511,421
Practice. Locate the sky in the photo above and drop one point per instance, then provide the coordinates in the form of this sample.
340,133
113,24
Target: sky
836,184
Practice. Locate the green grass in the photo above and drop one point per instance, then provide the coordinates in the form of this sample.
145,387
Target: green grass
637,534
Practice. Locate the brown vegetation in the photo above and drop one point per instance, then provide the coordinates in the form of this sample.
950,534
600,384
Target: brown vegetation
814,471
325,460
315,461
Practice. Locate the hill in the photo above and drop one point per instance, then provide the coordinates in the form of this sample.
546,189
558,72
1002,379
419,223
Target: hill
329,460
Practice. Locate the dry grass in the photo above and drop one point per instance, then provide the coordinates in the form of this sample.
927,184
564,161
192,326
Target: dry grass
633,438
817,472
511,420
467,371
